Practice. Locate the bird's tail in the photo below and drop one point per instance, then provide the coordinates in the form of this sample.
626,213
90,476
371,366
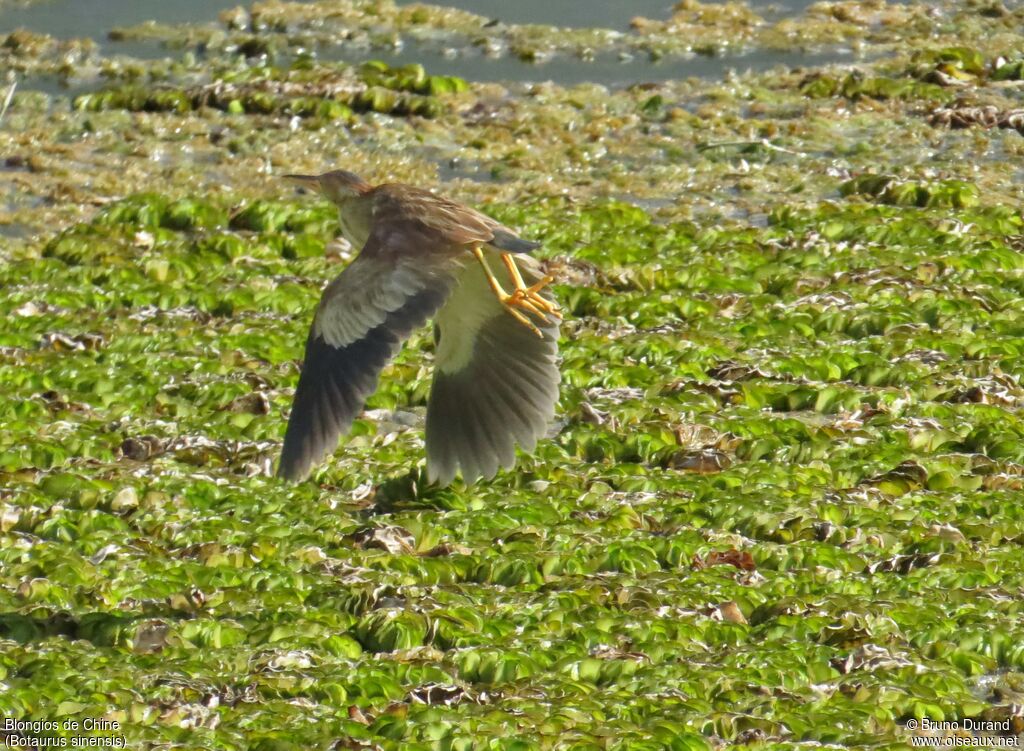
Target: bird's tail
512,243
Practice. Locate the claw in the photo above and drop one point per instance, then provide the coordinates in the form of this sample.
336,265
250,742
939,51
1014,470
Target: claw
519,299
522,297
523,320
548,306
531,293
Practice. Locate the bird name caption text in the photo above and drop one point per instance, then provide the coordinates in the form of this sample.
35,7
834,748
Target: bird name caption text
90,732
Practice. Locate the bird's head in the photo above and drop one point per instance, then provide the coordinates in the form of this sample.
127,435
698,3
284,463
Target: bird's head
337,186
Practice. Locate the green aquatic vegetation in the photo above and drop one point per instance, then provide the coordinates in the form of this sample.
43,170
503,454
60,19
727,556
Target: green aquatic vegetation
1009,71
409,78
855,86
863,446
891,190
324,94
949,66
780,503
707,28
270,29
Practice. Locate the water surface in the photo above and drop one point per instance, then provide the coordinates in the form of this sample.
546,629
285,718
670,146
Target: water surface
611,14
607,69
95,18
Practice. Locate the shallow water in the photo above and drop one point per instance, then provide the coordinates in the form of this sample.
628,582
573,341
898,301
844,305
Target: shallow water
95,18
609,71
612,14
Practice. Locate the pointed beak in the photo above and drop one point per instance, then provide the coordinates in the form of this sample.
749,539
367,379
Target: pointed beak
310,183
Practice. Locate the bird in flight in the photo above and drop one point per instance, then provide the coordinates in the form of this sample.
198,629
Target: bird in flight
495,368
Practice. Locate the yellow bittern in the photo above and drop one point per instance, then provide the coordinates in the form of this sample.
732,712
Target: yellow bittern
495,373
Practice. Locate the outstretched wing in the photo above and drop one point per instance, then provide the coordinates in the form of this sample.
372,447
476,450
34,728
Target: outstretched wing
363,318
495,381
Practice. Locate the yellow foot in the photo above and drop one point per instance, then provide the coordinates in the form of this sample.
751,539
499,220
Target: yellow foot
530,296
512,311
523,298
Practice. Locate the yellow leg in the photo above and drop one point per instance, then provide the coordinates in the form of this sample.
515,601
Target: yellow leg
504,297
530,294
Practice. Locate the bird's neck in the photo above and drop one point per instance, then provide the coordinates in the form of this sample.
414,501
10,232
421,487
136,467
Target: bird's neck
354,217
